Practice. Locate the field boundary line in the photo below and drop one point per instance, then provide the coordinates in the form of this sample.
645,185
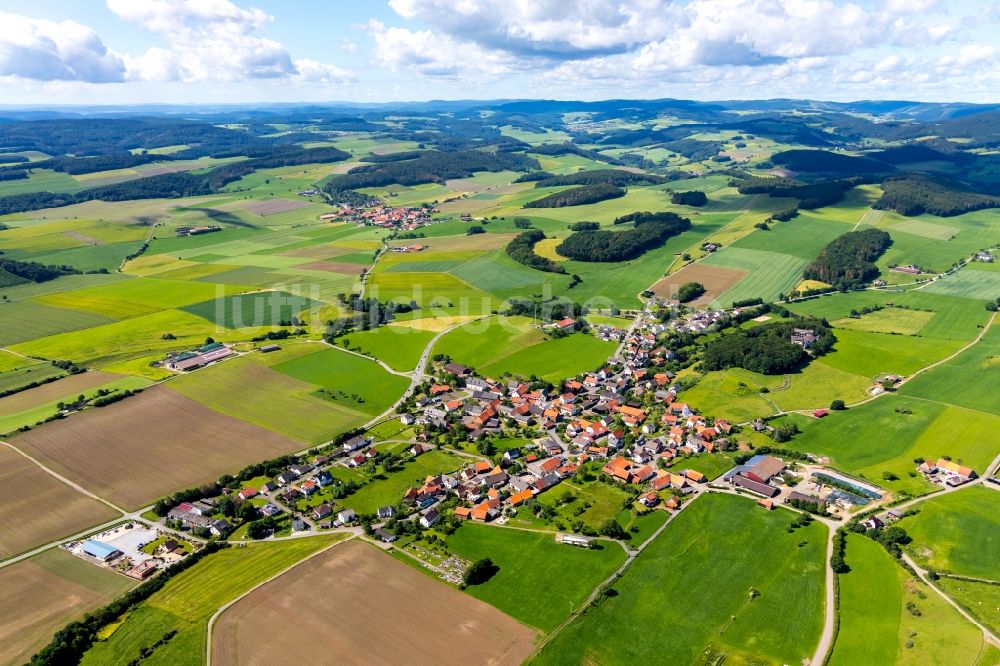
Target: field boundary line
223,608
988,636
743,213
75,486
986,328
615,575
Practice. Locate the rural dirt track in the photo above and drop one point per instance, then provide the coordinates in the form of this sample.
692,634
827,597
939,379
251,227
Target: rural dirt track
348,601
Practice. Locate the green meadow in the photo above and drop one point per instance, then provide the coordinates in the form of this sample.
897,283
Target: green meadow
887,617
960,381
980,599
357,382
957,533
905,429
514,345
399,347
530,562
387,489
691,589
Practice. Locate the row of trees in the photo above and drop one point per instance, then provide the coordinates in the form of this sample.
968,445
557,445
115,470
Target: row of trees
617,177
650,230
430,166
846,262
578,196
173,185
34,271
916,194
810,195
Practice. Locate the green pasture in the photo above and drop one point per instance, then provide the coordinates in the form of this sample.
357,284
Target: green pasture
969,282
712,465
975,230
957,533
803,237
529,563
41,180
137,297
887,617
252,310
278,402
902,321
399,347
22,376
368,387
871,600
980,599
10,362
690,588
955,319
961,380
592,503
441,293
122,340
905,429
872,354
513,345
26,320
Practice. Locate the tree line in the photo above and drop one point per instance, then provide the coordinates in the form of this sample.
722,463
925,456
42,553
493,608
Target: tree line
172,185
431,166
649,230
846,262
35,272
522,250
915,194
810,195
618,177
578,196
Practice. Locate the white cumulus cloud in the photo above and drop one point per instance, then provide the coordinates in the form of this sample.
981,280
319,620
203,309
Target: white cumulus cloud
48,51
213,40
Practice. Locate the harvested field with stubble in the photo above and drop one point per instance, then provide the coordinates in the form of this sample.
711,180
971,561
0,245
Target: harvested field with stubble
43,593
68,386
24,489
344,600
273,206
148,446
334,267
716,280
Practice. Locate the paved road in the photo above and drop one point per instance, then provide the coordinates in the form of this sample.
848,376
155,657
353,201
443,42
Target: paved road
829,607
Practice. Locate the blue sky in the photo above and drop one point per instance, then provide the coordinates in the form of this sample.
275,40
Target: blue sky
189,51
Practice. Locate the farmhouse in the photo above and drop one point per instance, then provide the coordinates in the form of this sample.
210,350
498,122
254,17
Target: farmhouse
198,358
803,337
429,518
385,535
754,486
